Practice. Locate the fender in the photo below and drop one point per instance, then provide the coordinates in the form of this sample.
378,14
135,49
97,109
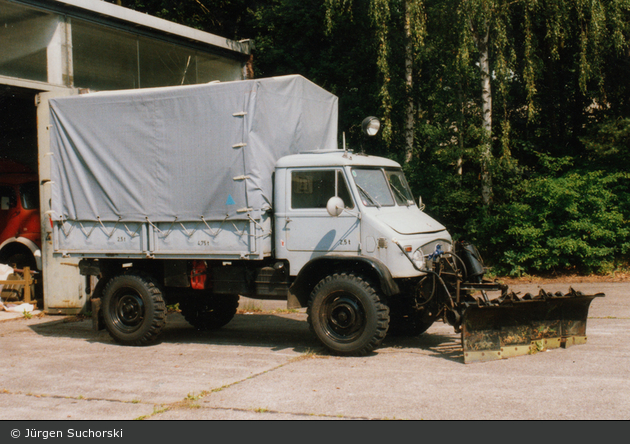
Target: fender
35,250
313,270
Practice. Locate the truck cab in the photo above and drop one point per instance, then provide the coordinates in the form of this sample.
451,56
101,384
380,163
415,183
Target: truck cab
376,212
20,238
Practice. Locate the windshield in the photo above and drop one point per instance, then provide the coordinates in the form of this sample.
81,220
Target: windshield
399,186
372,187
382,188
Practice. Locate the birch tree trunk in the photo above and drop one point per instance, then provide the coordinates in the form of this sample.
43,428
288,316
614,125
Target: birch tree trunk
409,107
486,115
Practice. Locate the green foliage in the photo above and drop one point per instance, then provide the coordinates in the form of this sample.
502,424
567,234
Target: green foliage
609,142
228,18
560,129
572,222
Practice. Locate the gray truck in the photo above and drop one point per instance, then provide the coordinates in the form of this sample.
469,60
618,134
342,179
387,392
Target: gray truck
198,194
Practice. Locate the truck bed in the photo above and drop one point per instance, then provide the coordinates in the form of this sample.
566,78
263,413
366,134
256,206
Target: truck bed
179,171
218,239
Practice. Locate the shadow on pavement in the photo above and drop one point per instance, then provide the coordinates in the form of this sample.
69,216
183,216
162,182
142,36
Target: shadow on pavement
272,331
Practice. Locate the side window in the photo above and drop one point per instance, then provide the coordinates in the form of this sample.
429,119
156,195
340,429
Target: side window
8,199
30,196
312,189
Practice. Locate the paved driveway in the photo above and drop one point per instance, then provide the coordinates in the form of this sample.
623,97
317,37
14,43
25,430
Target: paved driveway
268,366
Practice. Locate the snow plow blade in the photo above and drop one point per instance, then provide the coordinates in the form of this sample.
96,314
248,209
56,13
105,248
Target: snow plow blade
511,326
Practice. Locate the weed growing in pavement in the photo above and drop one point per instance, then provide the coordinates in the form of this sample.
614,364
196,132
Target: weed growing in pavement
250,307
193,397
174,308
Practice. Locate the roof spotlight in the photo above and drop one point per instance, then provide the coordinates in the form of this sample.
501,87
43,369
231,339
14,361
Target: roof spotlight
370,126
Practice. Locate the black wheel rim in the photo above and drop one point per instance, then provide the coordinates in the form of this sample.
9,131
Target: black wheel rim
128,310
343,317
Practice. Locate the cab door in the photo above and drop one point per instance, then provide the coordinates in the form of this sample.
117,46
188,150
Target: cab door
309,230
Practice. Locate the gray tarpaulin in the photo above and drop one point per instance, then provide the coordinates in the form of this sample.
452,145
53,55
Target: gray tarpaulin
182,152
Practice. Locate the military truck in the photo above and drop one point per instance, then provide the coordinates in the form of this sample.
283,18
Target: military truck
200,194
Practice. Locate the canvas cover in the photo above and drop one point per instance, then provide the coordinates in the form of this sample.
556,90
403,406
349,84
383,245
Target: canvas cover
182,153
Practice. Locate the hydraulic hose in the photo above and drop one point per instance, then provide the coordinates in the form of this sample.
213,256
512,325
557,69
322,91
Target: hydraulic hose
427,271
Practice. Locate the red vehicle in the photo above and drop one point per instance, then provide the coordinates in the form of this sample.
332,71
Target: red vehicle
20,230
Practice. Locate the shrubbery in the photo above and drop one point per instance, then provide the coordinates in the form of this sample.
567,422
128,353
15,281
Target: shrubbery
578,221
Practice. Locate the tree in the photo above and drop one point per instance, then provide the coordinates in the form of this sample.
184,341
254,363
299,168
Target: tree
487,103
227,18
396,89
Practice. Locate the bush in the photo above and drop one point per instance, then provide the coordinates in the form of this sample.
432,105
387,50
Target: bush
576,222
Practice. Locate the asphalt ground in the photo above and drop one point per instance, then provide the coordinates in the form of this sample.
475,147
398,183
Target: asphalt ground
266,365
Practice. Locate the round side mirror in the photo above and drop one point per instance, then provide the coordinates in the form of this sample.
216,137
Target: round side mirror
335,206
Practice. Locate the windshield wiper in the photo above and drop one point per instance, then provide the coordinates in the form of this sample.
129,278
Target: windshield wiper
366,194
401,194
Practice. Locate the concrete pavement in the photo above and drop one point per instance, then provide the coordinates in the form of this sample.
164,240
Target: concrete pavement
268,366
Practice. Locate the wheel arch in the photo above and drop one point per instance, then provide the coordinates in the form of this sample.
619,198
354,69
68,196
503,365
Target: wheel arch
17,245
317,269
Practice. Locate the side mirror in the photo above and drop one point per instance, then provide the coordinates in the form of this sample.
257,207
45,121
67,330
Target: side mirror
335,206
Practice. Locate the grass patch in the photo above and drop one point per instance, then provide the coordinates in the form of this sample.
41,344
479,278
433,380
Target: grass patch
286,310
250,307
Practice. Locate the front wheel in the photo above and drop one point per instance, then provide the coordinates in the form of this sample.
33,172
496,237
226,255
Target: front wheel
134,312
346,314
407,319
410,323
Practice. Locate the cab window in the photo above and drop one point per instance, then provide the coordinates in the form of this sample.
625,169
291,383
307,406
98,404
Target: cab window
313,188
8,199
29,192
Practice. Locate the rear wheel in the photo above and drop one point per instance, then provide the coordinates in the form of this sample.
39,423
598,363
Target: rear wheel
133,309
346,314
207,311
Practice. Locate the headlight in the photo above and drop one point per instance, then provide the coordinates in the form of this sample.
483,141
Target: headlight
418,259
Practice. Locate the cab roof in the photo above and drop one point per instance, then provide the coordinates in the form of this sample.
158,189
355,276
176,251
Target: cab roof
334,158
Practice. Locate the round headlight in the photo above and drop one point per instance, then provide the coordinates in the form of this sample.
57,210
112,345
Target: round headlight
370,126
418,259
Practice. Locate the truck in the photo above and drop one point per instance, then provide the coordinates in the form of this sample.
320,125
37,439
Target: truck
20,238
20,235
197,195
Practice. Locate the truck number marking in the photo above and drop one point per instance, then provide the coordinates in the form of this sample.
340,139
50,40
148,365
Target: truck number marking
345,242
121,239
203,243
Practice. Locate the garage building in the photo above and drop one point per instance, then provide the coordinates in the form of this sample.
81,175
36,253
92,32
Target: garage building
61,47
